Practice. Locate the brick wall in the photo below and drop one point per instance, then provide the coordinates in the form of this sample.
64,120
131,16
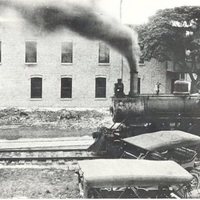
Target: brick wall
15,74
150,73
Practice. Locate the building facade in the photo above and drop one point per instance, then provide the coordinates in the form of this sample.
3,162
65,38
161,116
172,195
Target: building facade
61,69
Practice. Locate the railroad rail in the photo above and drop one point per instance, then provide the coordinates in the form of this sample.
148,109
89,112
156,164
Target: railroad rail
42,150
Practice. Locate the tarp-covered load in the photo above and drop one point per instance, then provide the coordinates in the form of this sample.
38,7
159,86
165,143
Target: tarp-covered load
163,140
128,173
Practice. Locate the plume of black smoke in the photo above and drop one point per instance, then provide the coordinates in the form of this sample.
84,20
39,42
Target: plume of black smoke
81,18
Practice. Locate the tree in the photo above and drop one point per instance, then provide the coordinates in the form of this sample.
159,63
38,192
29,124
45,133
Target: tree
174,35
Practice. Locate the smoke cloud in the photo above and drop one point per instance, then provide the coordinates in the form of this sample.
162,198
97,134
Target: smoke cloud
82,18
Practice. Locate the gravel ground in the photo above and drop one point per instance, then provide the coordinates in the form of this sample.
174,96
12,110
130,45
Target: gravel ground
38,183
45,183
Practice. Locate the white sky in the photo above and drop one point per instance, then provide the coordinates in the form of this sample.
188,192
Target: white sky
138,11
133,11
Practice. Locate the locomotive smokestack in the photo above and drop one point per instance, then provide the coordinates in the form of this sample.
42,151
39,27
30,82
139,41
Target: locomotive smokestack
51,15
132,61
133,83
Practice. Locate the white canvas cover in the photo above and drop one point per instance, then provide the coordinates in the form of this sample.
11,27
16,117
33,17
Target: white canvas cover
163,140
128,172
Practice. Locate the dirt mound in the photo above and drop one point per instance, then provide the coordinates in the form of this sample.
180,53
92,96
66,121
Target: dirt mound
60,119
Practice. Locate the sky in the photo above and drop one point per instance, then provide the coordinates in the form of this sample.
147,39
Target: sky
138,11
133,11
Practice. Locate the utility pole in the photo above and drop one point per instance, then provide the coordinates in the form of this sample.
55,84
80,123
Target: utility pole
121,10
122,62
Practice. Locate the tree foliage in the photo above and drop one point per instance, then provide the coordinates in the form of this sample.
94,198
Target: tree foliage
173,35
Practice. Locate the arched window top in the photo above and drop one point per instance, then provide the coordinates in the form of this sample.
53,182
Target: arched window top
100,87
36,87
66,87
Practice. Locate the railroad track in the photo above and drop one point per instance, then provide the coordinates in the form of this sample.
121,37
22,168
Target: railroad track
37,151
46,155
68,158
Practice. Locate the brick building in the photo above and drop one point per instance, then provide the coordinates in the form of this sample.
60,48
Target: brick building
62,69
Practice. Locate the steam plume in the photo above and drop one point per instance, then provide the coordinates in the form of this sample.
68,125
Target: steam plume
81,18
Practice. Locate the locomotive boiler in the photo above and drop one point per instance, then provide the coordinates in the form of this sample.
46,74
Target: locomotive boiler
147,113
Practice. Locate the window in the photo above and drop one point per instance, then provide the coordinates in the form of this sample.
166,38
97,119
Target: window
66,87
36,87
104,53
67,52
100,91
31,52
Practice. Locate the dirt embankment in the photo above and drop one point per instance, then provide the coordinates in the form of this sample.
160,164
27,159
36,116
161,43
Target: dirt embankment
16,123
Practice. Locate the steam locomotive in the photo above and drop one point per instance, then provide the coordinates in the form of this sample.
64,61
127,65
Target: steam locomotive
148,113
138,114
